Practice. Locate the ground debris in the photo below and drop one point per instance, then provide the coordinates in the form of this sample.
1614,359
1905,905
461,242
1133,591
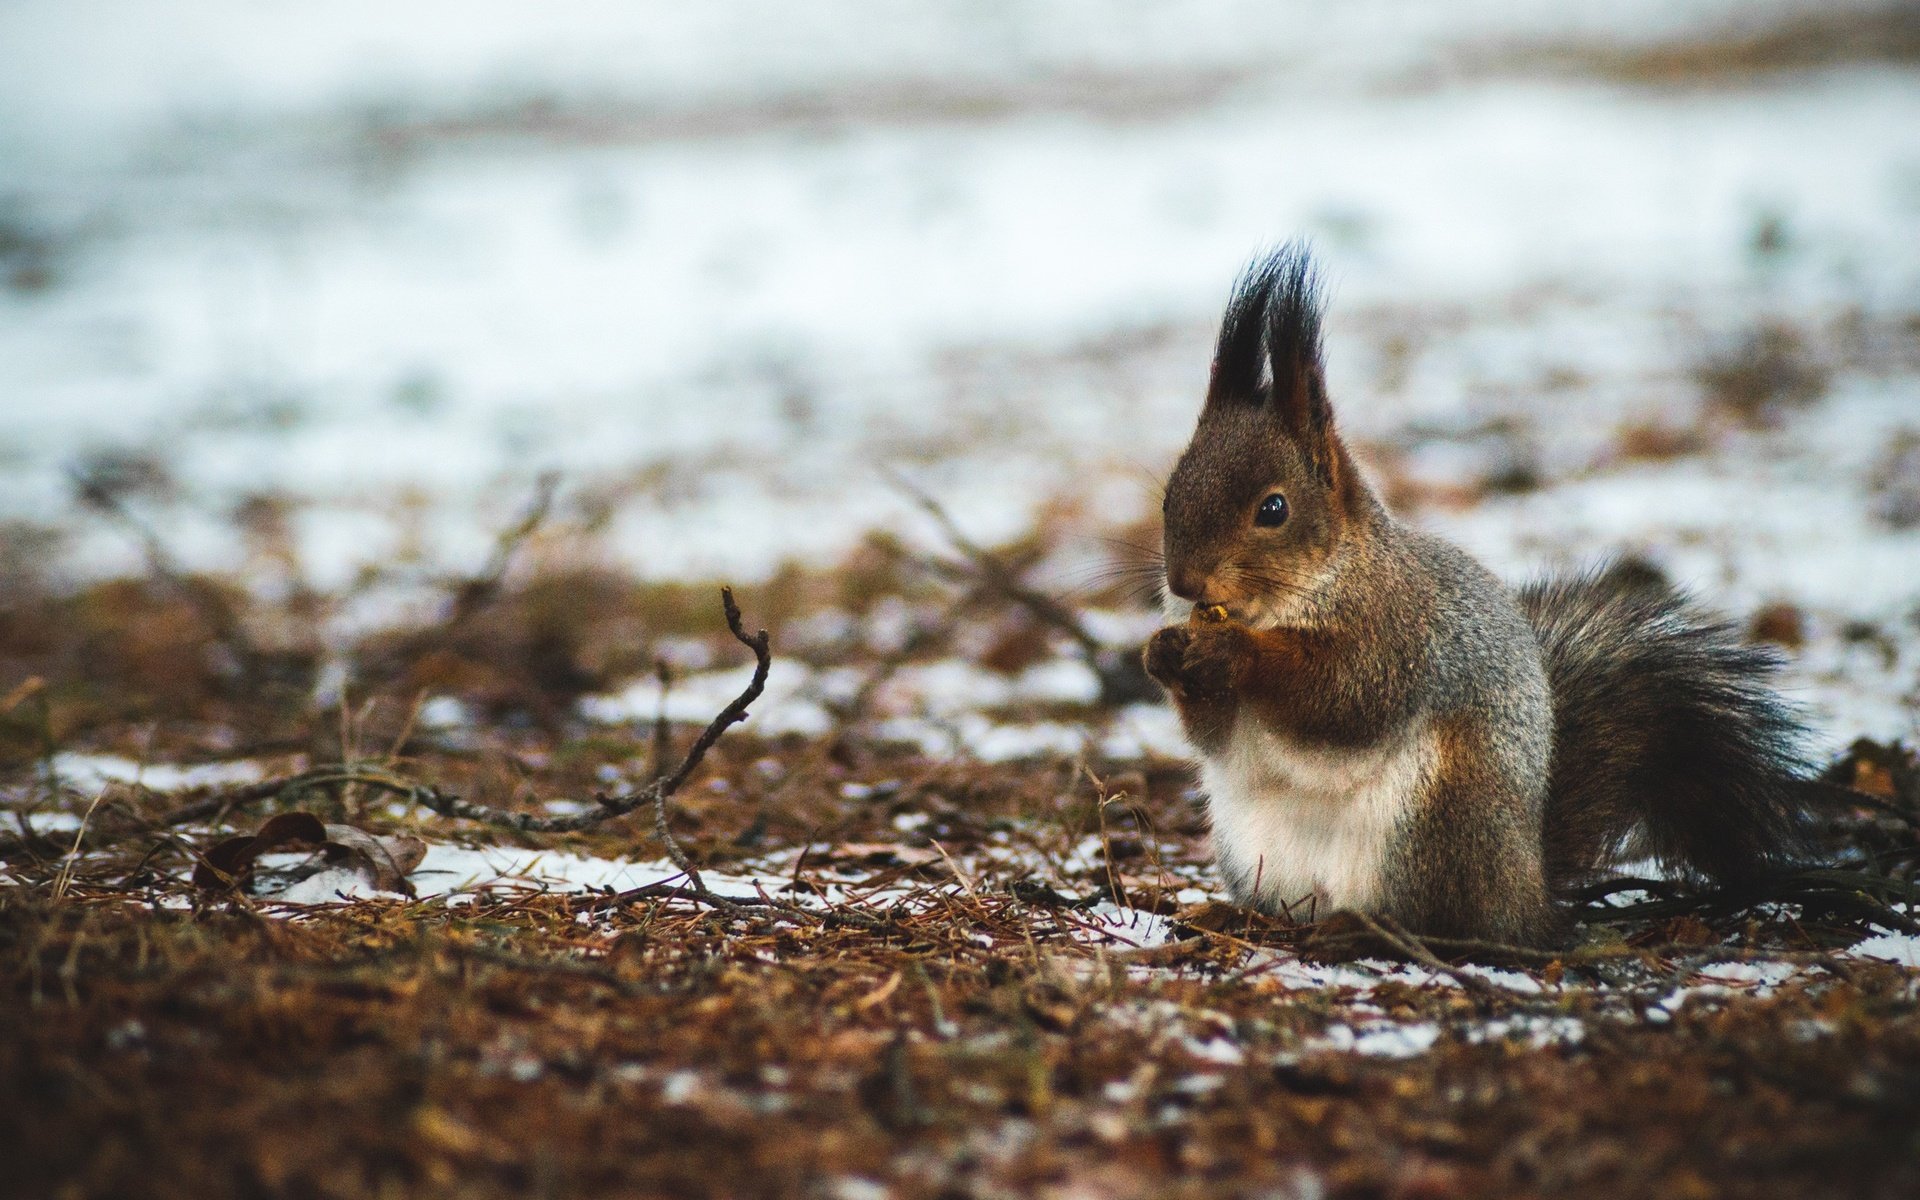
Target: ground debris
1048,995
920,927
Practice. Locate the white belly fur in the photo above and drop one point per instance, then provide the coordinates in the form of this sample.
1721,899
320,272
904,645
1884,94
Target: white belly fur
1301,823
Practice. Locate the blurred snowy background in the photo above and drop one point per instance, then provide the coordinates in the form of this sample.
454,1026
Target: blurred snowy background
1639,277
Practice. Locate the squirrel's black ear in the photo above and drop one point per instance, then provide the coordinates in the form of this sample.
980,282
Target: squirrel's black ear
1239,361
1275,309
1293,354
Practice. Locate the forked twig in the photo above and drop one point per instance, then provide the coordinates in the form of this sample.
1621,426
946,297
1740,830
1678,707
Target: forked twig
1122,679
655,793
1396,935
477,591
206,601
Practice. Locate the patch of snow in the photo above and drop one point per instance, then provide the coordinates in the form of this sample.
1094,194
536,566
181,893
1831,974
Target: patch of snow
1085,857
460,870
1143,731
92,773
1378,1040
1722,979
1058,681
679,1087
457,872
1119,627
1218,1050
947,687
329,886
445,712
51,822
857,1187
784,707
1902,948
930,739
1127,926
1760,977
989,741
1513,981
1361,977
1535,1030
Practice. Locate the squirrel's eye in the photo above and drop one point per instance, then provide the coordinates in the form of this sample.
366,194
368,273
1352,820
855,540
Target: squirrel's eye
1272,510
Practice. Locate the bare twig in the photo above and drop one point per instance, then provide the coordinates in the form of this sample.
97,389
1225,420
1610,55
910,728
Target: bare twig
30,686
205,599
1395,935
662,728
750,907
65,879
448,804
1853,895
1122,679
478,590
1001,577
230,800
654,793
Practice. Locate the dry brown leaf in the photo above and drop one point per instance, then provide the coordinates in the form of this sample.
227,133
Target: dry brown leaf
384,862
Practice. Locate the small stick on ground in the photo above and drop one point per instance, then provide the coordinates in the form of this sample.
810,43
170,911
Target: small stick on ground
205,599
662,728
1122,679
478,590
1391,932
654,794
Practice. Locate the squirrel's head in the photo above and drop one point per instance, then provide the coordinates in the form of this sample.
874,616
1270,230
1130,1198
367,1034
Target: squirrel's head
1265,492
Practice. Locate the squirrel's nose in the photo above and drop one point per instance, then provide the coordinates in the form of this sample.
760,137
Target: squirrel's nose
1187,583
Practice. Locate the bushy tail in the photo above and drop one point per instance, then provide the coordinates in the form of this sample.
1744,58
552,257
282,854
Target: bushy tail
1668,740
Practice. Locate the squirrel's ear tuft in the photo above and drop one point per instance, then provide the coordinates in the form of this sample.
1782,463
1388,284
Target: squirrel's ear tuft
1239,357
1293,343
1269,348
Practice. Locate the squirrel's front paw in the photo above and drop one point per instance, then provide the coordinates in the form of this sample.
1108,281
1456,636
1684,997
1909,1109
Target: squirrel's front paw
1215,650
1196,659
1165,654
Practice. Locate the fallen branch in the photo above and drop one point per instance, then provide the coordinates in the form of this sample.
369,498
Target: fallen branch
1406,943
221,803
477,591
654,793
1854,897
1122,679
751,907
206,600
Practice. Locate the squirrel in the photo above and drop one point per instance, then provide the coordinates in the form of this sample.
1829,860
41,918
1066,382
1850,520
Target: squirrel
1383,727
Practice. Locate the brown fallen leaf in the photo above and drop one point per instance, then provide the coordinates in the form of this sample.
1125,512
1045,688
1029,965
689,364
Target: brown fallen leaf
229,863
383,861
